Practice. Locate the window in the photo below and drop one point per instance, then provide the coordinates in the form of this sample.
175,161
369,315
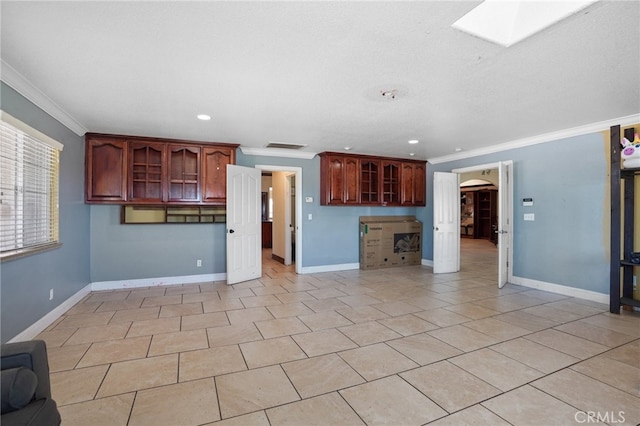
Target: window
29,163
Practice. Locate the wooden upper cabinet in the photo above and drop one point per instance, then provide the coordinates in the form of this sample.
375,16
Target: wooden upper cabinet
106,170
184,173
332,183
214,173
413,184
351,179
391,182
420,184
140,170
369,181
146,171
340,180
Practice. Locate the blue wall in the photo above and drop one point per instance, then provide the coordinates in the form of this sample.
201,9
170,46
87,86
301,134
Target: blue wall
568,243
332,236
25,282
121,252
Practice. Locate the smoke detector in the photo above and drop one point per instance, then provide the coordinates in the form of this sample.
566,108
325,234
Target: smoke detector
389,94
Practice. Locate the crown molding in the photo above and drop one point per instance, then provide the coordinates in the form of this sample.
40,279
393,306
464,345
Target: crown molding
23,86
546,137
278,152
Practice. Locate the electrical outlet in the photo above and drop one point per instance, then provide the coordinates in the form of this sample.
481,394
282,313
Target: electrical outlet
51,294
198,263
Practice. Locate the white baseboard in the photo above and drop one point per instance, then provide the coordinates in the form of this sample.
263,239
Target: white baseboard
562,289
427,262
44,322
156,282
39,326
329,268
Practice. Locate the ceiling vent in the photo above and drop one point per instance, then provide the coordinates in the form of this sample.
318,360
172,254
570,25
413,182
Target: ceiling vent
283,145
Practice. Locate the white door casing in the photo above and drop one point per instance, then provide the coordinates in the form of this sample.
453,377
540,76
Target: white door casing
446,223
287,221
244,224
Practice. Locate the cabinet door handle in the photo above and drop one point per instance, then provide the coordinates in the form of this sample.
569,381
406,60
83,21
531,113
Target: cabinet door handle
231,231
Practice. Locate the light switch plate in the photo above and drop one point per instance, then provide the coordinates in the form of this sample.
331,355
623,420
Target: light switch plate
529,216
308,199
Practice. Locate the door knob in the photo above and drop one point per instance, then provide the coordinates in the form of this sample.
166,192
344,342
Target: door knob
231,231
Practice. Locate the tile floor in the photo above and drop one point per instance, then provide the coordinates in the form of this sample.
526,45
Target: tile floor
395,347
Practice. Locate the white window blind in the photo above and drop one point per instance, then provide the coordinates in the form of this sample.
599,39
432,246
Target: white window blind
28,188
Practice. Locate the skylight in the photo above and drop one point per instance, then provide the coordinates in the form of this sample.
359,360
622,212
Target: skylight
506,22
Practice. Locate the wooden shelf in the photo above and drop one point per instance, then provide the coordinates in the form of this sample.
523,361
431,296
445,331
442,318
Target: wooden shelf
622,205
173,214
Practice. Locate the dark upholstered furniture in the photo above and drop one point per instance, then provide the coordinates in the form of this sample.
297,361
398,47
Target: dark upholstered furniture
26,389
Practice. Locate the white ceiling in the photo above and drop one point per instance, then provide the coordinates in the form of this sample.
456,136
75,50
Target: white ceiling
312,72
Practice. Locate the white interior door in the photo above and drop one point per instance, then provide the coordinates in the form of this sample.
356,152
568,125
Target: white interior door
446,223
505,221
244,224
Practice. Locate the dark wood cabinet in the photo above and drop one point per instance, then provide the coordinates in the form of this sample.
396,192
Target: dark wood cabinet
214,173
413,185
267,234
146,170
487,215
106,170
369,181
351,179
152,171
390,183
184,173
340,184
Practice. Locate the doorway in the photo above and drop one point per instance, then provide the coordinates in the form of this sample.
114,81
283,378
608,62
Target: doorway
286,213
504,229
479,205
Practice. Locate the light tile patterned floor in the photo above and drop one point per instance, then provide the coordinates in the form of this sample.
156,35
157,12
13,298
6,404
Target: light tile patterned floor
393,347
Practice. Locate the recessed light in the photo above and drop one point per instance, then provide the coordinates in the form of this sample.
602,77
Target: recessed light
458,149
413,141
204,117
412,154
347,148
